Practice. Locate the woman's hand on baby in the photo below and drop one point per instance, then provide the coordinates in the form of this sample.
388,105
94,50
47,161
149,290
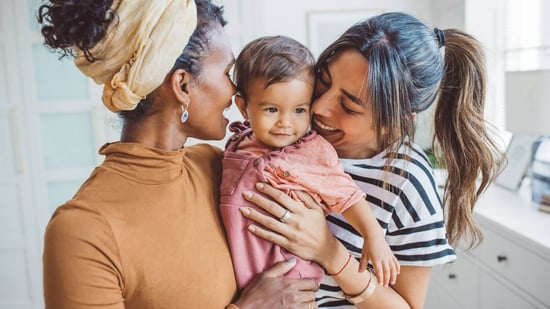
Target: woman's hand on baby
385,264
304,231
271,290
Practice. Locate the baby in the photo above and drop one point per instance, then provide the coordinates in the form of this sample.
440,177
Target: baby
275,81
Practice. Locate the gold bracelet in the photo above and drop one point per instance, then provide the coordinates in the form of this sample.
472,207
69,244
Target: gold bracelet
232,306
365,293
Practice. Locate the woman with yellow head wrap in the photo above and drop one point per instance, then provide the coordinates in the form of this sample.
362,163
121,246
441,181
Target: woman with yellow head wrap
143,231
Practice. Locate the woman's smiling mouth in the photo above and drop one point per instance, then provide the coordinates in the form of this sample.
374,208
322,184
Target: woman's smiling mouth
323,126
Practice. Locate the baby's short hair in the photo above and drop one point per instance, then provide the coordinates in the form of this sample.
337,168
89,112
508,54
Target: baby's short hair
274,59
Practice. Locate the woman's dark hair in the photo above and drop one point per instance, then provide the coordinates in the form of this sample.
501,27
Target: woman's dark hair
78,23
209,17
407,73
84,23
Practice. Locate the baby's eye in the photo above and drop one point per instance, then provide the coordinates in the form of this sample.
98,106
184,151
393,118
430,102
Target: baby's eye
271,110
301,110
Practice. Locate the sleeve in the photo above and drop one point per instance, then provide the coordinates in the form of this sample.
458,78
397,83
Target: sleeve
81,263
416,228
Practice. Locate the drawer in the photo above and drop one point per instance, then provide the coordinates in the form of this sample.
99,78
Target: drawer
494,294
459,279
525,269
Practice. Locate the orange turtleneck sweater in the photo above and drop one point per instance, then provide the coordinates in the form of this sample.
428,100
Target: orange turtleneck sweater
142,232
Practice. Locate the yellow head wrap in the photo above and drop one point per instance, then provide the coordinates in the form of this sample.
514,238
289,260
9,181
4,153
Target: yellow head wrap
139,49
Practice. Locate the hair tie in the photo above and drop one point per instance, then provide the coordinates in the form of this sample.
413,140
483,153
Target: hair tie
440,36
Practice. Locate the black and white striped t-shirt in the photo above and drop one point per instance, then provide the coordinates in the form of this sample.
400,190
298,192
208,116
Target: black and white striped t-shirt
409,210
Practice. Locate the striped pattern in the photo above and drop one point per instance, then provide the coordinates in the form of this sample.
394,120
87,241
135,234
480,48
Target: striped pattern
409,208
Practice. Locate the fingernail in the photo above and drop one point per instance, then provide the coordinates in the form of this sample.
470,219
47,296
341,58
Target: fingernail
292,260
252,228
245,211
247,194
259,185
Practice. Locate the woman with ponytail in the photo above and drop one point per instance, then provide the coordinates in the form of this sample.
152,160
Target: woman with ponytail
144,230
371,84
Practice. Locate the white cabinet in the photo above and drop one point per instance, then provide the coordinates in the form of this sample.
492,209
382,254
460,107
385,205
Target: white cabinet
496,294
509,270
457,282
516,263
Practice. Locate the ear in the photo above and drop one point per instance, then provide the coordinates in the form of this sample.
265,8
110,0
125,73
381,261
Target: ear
179,83
241,104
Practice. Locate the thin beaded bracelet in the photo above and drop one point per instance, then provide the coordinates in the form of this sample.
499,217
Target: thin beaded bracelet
343,267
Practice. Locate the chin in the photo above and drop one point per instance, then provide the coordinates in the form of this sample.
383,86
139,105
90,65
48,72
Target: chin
211,135
216,134
221,134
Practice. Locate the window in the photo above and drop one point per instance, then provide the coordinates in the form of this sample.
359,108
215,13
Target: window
527,36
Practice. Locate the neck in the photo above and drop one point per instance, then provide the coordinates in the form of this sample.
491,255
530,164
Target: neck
154,131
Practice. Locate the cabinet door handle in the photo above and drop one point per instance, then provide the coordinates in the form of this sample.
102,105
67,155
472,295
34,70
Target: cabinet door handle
502,258
452,276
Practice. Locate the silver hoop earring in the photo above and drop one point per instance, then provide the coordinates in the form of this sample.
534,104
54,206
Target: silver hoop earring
184,115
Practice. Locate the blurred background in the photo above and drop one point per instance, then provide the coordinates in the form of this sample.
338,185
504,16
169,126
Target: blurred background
52,121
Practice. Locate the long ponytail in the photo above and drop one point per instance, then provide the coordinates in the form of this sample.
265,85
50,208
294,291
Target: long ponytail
464,137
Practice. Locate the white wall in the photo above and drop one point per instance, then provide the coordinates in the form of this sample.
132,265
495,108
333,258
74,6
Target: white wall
446,14
289,17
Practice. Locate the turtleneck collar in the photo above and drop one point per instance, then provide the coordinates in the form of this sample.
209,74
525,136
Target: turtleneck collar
142,163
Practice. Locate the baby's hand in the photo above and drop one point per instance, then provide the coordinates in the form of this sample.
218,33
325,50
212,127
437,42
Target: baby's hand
386,266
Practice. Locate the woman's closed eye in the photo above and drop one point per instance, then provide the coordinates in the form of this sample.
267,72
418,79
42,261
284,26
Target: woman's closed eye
347,109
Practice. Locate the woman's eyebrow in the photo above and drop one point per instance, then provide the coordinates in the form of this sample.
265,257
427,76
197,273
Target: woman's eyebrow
352,97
